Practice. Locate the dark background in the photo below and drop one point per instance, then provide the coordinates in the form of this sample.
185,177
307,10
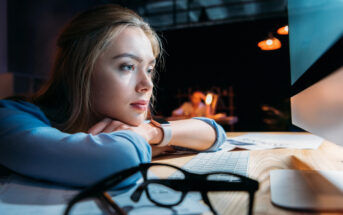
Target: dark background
223,56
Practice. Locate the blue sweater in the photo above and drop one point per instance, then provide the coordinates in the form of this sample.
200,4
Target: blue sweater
30,146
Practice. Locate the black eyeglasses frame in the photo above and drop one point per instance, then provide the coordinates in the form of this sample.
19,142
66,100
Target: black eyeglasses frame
191,182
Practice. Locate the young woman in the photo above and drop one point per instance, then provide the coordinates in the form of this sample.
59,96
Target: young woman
89,120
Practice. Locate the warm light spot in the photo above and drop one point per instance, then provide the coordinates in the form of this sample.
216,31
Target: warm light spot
283,30
270,44
208,99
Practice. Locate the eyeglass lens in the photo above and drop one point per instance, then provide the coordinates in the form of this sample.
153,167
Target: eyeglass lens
161,193
224,201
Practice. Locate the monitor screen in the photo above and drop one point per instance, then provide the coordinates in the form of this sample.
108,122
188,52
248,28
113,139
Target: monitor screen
316,57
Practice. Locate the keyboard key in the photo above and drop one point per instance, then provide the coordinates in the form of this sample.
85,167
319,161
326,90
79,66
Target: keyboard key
234,162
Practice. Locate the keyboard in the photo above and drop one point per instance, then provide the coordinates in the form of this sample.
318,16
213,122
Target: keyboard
234,162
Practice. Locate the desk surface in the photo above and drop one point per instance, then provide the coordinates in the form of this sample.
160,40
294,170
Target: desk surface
327,157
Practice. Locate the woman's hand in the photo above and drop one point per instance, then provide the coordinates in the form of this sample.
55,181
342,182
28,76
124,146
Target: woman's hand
156,151
149,132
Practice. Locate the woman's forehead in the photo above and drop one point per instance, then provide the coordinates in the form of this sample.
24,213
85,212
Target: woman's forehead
131,40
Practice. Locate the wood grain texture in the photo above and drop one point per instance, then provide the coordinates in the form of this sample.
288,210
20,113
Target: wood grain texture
328,156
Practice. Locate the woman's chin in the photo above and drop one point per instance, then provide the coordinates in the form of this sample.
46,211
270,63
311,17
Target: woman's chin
134,122
131,119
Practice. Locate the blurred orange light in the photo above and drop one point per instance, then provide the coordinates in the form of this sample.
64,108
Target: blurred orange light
283,30
269,44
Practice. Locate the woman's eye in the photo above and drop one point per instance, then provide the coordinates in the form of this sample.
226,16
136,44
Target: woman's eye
127,67
150,71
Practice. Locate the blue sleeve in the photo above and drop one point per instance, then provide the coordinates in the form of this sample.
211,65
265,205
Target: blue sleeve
30,146
220,132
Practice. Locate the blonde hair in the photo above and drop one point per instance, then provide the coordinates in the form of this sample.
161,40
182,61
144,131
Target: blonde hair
66,97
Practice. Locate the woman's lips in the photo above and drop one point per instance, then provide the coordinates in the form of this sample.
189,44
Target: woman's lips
140,105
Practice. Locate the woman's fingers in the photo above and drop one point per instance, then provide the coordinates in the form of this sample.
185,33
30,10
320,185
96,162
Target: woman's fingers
156,151
149,132
115,126
100,126
107,125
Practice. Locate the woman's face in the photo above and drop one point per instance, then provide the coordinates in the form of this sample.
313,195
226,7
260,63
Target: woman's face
122,77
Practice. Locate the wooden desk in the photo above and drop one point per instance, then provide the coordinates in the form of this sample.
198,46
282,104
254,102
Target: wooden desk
327,157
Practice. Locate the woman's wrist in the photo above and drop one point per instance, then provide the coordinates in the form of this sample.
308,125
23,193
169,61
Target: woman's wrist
156,134
165,127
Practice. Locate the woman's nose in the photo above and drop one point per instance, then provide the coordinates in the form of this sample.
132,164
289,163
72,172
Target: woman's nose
144,83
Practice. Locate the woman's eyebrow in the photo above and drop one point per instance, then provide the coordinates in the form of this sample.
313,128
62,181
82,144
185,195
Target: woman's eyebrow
135,57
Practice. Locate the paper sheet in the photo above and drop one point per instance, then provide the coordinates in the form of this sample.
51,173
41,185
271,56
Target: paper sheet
270,141
23,196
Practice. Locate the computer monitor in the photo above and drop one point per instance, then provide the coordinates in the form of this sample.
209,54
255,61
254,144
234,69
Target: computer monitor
316,57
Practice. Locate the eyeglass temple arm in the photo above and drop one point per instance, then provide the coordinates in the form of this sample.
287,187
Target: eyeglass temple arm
207,201
136,195
108,199
101,186
251,202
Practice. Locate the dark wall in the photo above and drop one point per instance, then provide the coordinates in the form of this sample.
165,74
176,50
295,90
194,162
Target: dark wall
3,36
33,27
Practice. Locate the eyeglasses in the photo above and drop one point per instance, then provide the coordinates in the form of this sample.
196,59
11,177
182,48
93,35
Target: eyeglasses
171,191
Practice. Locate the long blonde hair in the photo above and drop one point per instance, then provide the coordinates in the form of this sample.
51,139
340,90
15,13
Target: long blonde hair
66,97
